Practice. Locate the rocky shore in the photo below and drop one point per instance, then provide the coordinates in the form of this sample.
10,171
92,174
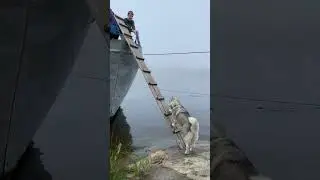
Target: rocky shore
170,163
228,162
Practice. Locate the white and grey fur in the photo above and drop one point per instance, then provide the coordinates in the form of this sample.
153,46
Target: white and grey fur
182,122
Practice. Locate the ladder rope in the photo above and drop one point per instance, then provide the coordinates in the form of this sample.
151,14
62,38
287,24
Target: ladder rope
153,86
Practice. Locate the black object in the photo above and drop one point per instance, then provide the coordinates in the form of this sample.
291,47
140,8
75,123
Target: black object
39,44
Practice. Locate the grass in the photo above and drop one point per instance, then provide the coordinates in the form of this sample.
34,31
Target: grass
117,166
139,168
120,167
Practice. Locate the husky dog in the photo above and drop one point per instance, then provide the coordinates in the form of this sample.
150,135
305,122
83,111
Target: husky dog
185,124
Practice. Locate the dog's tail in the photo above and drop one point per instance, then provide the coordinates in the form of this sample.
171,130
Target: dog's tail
194,126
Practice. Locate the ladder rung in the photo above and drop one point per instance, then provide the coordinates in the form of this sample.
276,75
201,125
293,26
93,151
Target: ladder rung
152,83
118,17
140,58
150,80
137,54
144,68
128,35
157,93
134,46
124,25
160,98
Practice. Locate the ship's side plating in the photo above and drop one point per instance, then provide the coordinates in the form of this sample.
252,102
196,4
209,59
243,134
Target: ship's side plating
123,69
38,44
41,44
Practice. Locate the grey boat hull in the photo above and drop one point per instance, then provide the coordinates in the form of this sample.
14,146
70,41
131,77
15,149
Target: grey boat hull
123,69
38,55
37,49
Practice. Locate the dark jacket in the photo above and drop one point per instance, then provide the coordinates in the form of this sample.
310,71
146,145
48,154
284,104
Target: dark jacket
130,23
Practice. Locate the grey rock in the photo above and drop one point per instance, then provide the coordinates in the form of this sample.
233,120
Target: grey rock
173,164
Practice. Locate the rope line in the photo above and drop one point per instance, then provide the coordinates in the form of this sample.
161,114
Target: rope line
176,53
316,105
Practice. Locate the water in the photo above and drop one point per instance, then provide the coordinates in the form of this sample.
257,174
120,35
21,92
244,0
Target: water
148,128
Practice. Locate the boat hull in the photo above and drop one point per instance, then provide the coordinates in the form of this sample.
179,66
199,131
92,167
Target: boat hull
49,56
123,69
37,55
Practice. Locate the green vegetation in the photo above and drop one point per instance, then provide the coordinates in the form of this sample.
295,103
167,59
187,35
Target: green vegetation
117,166
139,168
124,164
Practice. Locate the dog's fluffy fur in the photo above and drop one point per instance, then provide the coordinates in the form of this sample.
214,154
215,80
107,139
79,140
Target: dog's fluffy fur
182,122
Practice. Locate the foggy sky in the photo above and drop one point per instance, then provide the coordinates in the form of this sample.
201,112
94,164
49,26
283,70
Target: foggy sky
171,26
